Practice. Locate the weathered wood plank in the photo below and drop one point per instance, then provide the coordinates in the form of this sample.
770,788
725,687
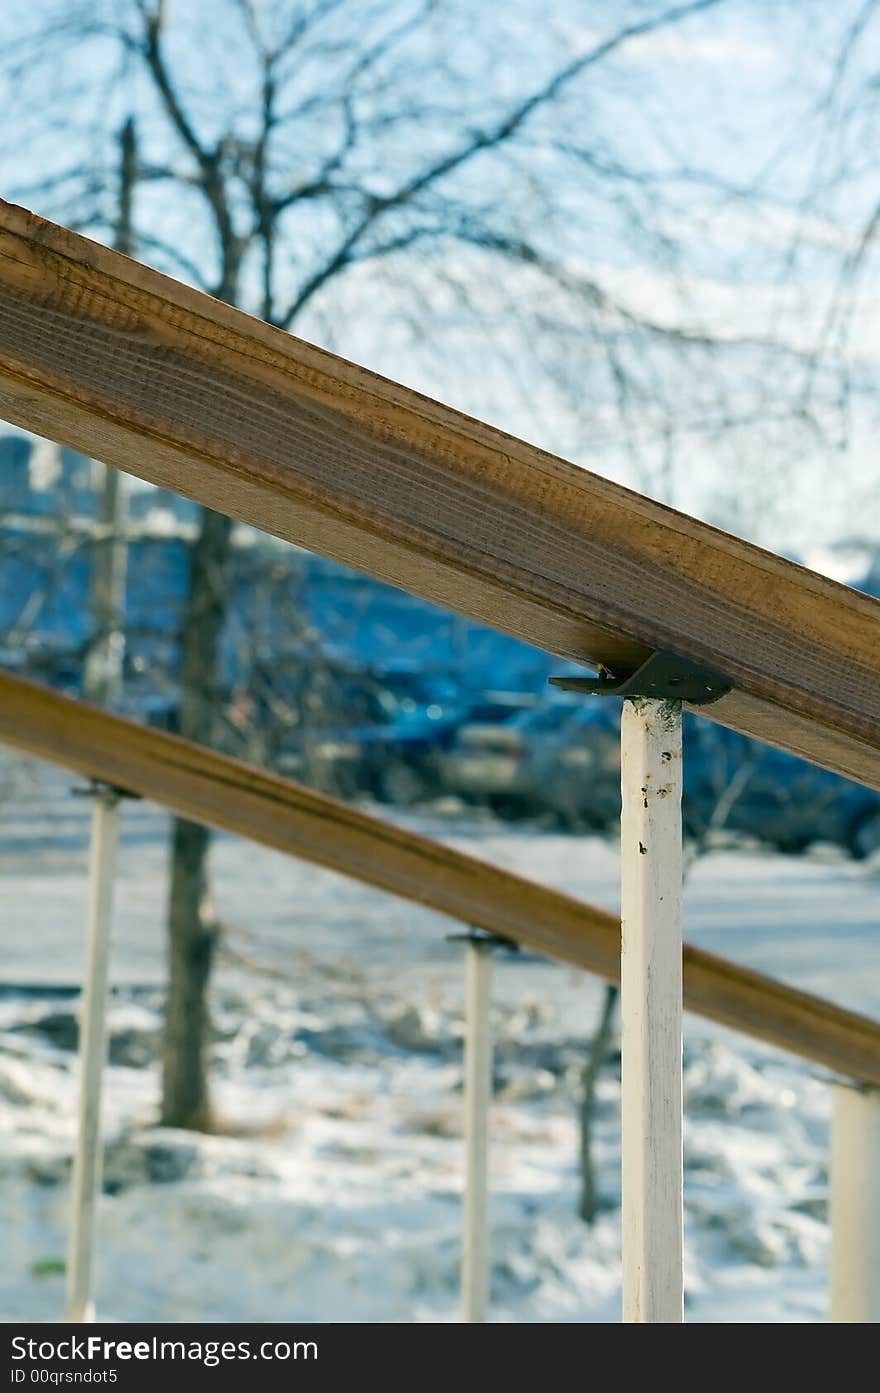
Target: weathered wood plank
225,793
115,359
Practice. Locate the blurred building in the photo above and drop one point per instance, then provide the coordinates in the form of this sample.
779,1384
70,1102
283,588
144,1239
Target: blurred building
15,481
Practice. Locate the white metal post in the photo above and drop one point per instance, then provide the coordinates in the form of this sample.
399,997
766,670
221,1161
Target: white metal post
855,1205
477,1094
651,1010
87,1158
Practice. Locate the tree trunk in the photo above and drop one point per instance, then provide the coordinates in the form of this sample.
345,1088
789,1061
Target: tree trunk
592,1069
102,670
191,926
102,674
191,936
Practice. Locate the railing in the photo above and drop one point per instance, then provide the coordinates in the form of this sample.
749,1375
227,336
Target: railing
233,796
112,358
236,797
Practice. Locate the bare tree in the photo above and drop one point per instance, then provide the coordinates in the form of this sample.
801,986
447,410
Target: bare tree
589,1197
461,177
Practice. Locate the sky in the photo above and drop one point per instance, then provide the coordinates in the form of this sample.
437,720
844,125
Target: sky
728,178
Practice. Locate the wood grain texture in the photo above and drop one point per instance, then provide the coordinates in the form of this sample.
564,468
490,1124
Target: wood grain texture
225,793
110,357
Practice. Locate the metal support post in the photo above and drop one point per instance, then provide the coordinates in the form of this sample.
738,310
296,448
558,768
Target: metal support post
475,1258
87,1157
855,1205
651,970
477,1093
651,1010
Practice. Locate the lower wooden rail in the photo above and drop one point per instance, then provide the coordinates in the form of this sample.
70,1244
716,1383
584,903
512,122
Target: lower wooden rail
236,797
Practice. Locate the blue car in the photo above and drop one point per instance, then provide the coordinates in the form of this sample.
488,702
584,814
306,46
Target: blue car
401,762
730,783
736,783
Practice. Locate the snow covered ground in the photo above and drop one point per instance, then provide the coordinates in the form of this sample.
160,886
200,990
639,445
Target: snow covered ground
337,1060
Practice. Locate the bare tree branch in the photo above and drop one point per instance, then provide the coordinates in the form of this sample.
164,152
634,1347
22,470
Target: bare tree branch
480,142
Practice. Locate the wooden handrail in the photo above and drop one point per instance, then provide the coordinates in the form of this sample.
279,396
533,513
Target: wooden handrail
226,793
158,379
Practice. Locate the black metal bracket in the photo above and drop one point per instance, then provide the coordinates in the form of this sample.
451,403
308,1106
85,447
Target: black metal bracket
96,788
663,676
481,939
